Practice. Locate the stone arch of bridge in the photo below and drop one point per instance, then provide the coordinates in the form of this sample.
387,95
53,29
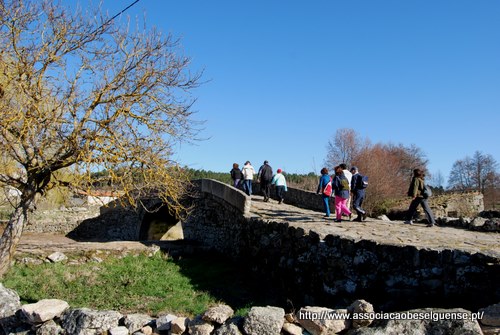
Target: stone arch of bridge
156,223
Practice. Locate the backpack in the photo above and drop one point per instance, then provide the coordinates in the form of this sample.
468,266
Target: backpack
327,190
361,182
426,192
344,184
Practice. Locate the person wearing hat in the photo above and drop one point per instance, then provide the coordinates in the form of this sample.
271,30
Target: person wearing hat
358,194
264,177
280,182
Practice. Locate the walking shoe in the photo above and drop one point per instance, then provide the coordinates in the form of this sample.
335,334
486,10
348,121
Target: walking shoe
431,225
337,220
358,219
408,222
364,216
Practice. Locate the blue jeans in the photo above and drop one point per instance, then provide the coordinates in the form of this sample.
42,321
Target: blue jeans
358,197
247,184
326,204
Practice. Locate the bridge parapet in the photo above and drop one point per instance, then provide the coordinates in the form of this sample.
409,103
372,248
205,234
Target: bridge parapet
229,194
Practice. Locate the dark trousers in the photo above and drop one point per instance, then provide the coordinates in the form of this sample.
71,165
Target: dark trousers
357,200
280,192
265,186
413,209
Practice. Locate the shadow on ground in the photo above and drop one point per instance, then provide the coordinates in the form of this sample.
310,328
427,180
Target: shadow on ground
232,282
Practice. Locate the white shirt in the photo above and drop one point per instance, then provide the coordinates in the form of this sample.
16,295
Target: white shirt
348,175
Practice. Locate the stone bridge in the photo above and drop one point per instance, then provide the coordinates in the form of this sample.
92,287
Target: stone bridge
323,262
319,261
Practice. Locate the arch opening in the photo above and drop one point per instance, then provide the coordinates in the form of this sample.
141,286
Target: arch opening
160,225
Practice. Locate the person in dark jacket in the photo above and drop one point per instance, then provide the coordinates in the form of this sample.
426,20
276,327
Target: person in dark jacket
236,175
341,190
415,192
358,194
323,181
265,177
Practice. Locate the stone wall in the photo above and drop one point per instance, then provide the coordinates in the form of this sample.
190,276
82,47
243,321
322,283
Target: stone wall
300,198
468,204
112,222
334,270
60,221
88,223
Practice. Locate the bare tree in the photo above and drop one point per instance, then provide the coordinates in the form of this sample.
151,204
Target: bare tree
474,173
343,147
437,180
81,92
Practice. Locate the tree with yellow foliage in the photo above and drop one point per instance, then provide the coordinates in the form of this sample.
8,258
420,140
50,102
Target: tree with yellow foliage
78,91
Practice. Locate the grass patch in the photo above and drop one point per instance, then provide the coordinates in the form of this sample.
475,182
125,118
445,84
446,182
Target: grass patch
141,284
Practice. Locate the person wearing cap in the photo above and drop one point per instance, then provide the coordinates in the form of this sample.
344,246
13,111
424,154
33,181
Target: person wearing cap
358,194
280,182
264,177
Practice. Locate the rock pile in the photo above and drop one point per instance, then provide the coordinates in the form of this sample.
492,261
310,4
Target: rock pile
54,317
484,224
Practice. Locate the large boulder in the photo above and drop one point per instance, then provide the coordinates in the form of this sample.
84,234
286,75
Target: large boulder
490,316
361,312
49,328
231,327
323,321
135,322
425,321
198,326
44,310
9,304
164,322
84,321
218,314
264,321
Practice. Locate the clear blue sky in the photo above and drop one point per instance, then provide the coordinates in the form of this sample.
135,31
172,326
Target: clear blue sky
284,75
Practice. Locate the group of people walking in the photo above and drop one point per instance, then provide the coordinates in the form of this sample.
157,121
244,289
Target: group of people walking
243,179
344,185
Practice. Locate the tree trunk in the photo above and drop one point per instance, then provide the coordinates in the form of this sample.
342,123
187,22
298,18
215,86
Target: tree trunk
12,233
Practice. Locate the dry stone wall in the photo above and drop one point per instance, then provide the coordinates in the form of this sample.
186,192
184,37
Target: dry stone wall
60,221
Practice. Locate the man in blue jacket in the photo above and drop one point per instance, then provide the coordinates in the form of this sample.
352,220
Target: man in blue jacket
358,193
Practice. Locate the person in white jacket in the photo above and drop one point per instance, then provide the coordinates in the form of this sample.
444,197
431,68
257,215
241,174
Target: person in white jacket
248,172
280,182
